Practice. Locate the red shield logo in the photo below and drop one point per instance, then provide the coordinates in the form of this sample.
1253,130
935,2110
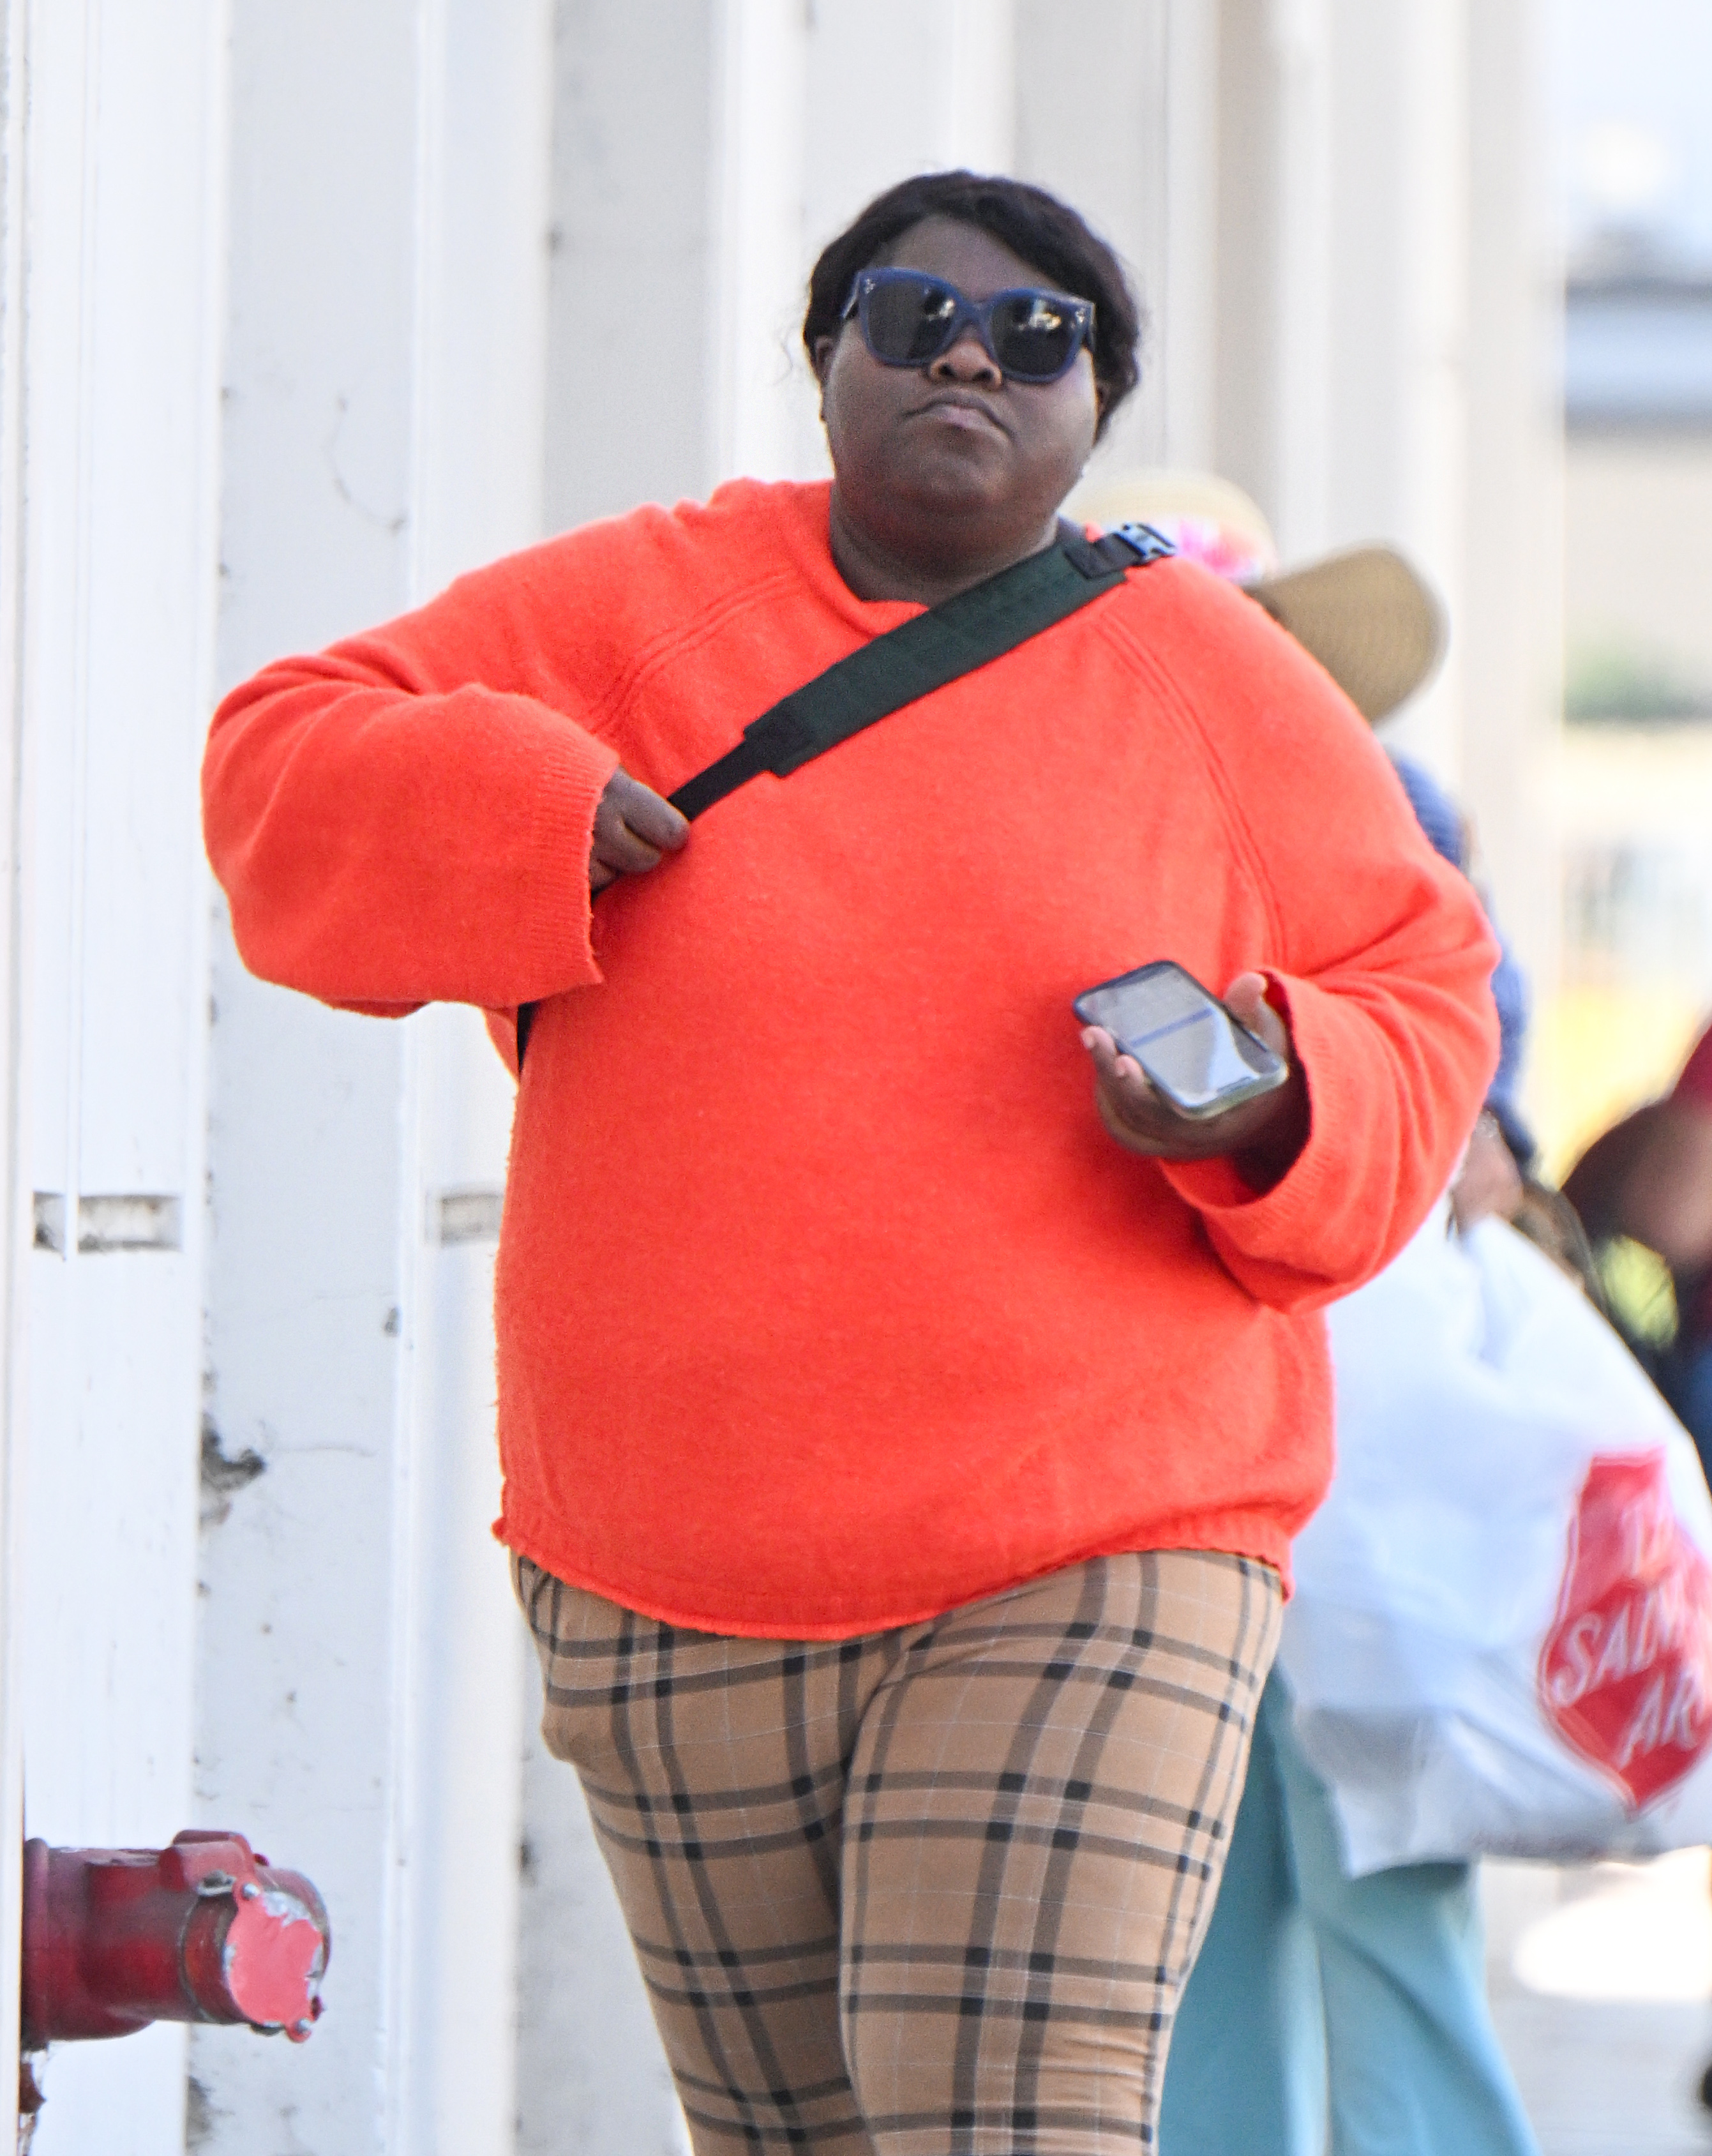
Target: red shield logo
1626,1672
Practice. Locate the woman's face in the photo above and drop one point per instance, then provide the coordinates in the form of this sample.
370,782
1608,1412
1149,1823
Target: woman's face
953,454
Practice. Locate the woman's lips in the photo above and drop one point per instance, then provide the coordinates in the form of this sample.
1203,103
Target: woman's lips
962,413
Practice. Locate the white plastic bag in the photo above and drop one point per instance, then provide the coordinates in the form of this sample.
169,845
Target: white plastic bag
1502,1634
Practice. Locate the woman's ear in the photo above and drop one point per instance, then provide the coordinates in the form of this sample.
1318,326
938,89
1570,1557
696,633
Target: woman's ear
824,347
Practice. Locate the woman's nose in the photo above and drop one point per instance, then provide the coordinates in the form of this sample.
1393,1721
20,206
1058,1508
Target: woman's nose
968,360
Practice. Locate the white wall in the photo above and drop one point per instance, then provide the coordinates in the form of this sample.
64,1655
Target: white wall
358,1687
115,288
1386,304
1513,624
16,1208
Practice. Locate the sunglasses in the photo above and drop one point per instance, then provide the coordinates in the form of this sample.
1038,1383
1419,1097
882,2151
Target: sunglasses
908,319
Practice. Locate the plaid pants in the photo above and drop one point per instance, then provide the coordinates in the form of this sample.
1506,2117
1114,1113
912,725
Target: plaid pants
932,1891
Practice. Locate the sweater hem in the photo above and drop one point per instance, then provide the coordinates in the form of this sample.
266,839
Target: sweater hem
1227,1534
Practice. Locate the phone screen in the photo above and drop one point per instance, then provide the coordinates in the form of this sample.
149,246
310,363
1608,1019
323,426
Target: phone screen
1182,1039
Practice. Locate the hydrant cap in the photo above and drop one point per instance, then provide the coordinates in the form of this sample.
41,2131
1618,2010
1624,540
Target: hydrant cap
275,1954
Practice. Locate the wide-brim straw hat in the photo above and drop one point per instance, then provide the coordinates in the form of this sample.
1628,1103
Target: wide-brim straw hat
1367,614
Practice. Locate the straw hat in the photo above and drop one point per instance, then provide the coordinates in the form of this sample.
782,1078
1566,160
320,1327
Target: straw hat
1366,615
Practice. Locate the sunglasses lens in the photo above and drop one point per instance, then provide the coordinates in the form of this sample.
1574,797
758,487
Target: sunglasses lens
907,319
1033,337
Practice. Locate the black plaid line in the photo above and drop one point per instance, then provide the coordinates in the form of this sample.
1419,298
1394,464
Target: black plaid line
789,2137
728,1958
1047,1790
881,1724
665,1642
809,2092
703,1852
815,1823
650,1670
1013,1832
760,1796
555,1598
969,1632
1003,1960
1095,1679
1096,2126
701,1998
985,2006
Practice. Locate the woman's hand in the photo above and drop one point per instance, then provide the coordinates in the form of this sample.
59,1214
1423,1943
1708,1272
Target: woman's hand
1265,1134
633,826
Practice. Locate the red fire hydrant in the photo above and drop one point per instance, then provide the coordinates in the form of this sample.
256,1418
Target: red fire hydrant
203,1931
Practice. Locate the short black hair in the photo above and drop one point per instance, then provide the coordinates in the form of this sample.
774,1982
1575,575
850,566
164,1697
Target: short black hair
1033,224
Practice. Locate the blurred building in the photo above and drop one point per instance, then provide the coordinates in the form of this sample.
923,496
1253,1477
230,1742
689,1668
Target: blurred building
1635,780
303,309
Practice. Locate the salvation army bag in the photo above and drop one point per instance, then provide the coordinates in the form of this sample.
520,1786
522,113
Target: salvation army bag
1501,1639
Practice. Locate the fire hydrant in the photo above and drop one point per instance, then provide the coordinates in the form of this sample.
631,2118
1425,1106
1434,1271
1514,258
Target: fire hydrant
203,1931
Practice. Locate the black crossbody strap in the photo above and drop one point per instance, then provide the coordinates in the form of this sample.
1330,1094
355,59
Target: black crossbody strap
922,654
911,661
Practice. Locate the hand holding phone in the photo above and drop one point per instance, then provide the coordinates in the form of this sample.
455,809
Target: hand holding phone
1219,1078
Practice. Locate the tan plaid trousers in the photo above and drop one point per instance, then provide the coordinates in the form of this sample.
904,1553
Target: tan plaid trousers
932,1891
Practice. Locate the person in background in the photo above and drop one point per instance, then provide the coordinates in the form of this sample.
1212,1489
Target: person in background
1650,1177
1327,2011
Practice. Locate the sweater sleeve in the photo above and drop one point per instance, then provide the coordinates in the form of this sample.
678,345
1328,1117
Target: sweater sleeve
1382,961
407,819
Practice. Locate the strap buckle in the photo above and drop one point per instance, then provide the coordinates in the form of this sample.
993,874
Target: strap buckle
1145,543
1126,547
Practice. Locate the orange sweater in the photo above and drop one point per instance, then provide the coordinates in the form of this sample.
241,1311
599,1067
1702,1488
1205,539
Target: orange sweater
824,1301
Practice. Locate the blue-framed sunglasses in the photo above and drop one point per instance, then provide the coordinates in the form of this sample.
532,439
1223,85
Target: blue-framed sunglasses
908,319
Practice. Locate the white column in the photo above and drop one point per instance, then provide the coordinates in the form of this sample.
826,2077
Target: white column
360,1660
1343,289
903,86
15,1205
1397,345
113,318
1093,125
981,121
1184,343
1296,361
1512,627
635,116
756,263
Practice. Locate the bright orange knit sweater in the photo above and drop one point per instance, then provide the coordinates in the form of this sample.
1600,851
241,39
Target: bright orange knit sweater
824,1301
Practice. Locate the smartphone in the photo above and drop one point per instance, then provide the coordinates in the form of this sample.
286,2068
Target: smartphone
1202,1059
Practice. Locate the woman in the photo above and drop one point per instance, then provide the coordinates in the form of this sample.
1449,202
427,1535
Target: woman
900,1457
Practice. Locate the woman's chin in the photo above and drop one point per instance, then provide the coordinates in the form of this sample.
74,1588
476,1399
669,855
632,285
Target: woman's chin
961,478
